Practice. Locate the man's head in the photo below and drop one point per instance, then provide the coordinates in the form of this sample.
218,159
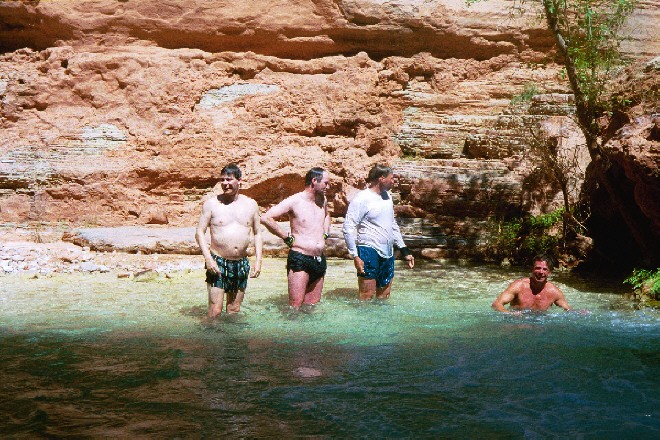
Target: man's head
232,170
230,177
318,179
541,267
381,175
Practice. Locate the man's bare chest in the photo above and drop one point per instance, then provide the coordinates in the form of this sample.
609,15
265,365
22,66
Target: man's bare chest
224,215
528,299
308,212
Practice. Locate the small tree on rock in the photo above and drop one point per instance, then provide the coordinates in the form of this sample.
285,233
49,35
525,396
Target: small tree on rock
588,36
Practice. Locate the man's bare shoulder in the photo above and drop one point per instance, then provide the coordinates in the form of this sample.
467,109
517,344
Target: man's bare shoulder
520,283
248,201
210,200
245,199
292,201
296,198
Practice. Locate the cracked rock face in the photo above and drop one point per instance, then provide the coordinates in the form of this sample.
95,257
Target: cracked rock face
123,112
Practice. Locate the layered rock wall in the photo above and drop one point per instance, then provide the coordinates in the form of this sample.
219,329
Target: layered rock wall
122,112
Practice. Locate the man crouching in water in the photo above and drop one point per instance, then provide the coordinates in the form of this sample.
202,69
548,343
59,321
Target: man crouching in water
230,216
533,293
310,225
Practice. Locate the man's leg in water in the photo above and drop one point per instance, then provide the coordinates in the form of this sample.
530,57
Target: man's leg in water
216,299
367,288
234,301
297,287
313,292
384,292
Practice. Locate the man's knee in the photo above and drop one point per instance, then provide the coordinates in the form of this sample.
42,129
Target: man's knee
216,295
367,288
384,292
215,310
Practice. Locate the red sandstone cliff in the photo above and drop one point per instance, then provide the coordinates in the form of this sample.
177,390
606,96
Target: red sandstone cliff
116,112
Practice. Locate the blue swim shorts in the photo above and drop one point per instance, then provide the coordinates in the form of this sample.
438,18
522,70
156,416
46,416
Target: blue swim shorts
376,267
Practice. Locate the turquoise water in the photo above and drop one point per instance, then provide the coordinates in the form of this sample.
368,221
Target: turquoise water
97,356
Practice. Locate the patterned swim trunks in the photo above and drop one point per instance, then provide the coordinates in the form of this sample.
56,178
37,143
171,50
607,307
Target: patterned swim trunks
233,274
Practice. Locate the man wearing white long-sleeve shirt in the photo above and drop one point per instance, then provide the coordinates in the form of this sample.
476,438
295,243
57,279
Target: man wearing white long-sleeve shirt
371,232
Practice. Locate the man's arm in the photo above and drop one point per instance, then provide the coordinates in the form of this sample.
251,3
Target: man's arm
200,237
561,300
353,218
258,242
398,239
268,219
326,220
505,297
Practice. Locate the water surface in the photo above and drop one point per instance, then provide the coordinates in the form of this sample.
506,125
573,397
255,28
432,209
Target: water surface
94,355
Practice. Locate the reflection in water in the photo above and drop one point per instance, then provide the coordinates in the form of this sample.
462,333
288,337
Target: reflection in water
96,356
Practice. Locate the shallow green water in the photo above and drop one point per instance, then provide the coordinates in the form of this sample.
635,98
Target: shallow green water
93,355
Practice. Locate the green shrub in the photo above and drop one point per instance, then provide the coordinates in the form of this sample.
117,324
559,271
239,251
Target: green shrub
526,95
522,239
505,239
647,281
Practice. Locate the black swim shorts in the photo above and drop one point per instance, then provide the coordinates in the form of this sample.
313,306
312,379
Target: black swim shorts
314,266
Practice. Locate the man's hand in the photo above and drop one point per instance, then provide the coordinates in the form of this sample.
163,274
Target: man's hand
410,261
212,265
256,271
359,265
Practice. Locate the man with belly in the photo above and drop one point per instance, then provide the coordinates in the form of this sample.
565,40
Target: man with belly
231,217
310,225
533,293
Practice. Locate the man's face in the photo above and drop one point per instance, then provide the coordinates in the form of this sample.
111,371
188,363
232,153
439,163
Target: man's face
229,184
540,271
387,182
321,186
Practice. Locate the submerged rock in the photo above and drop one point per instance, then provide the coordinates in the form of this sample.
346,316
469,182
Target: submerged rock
145,276
307,372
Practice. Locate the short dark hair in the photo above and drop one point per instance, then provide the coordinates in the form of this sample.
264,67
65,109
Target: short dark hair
232,170
314,173
546,258
377,172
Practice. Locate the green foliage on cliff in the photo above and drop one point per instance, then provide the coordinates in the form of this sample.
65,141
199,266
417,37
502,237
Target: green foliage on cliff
521,239
590,30
588,34
646,281
526,95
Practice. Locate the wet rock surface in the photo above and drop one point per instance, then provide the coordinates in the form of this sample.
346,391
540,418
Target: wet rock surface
46,259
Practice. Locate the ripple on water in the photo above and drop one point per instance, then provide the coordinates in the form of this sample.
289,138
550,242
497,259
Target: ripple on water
94,355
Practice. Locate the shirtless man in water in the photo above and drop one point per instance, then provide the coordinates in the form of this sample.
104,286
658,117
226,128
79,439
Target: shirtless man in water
231,217
533,293
310,225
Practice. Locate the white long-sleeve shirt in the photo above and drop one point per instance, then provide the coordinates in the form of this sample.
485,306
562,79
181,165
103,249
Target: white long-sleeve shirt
372,215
